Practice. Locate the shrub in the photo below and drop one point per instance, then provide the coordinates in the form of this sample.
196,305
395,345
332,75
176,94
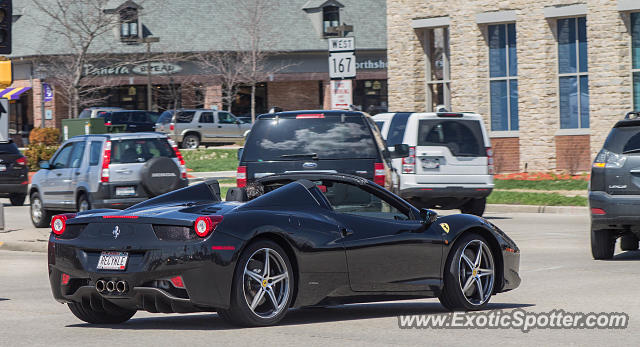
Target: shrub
45,136
37,153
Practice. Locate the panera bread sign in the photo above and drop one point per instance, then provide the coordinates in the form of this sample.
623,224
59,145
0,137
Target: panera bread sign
130,69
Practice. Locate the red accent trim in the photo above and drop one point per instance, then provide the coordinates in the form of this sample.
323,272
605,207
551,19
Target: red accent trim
310,115
223,248
598,211
65,279
123,217
426,188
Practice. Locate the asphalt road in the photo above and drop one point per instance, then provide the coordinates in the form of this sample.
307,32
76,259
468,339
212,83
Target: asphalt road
557,271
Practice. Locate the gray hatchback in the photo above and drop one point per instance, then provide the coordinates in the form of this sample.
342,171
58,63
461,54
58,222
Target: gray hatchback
105,171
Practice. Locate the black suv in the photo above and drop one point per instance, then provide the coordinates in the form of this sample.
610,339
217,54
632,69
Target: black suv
14,174
136,121
317,141
614,192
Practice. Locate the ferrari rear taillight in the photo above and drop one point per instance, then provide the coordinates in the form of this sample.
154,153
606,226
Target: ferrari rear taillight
64,280
379,174
205,225
241,177
21,161
409,162
598,211
492,170
59,222
106,160
183,167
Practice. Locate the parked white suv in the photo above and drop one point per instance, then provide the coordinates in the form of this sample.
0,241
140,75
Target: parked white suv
105,171
450,163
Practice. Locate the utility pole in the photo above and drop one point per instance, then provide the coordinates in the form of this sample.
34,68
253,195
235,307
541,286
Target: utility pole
149,40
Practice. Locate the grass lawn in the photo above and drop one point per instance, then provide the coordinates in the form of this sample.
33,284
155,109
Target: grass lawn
204,160
540,199
542,185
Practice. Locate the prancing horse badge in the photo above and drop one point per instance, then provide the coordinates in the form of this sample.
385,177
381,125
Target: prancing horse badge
445,227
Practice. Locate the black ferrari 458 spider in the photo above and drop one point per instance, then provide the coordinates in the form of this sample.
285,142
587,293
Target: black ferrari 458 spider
293,241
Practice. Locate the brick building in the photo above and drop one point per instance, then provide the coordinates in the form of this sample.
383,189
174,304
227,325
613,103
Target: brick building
551,77
297,38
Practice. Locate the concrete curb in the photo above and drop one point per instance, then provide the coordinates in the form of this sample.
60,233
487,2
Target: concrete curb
502,208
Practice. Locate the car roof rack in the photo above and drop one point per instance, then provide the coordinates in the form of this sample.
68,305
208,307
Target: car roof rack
632,115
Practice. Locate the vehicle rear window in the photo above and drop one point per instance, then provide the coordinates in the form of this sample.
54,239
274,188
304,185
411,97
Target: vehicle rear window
330,137
395,135
165,117
184,116
623,139
86,113
462,137
9,148
140,150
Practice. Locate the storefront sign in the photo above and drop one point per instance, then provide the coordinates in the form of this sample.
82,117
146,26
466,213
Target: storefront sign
129,69
369,64
48,114
341,95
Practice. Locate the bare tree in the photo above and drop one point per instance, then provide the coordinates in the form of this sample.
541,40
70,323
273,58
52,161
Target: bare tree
230,68
80,23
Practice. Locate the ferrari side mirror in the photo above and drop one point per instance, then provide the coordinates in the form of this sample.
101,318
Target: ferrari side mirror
428,216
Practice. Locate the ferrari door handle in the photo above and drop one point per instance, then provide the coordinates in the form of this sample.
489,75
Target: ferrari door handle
345,232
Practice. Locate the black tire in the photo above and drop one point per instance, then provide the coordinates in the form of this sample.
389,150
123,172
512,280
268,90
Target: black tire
452,296
190,141
602,244
475,207
17,199
239,312
629,242
40,217
83,203
112,315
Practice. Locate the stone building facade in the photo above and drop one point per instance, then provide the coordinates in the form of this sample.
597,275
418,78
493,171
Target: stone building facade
575,64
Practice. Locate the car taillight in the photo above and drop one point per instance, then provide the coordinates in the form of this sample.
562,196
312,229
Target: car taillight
598,211
409,162
107,123
492,170
379,174
609,159
206,224
59,222
241,177
183,167
172,127
21,161
177,282
106,160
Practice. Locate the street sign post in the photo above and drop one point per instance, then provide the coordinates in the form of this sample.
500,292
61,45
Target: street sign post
342,44
342,65
4,120
342,69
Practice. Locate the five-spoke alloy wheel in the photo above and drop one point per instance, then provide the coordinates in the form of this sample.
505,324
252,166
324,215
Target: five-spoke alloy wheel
469,276
263,286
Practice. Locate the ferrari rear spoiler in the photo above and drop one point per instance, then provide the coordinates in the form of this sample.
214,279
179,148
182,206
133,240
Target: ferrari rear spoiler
205,192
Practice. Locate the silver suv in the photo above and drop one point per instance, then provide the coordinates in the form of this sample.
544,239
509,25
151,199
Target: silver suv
190,128
105,171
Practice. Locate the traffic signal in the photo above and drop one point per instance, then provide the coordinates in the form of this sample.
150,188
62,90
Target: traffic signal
5,27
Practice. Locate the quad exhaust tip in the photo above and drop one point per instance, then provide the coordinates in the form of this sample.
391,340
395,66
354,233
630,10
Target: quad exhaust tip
111,286
121,286
100,285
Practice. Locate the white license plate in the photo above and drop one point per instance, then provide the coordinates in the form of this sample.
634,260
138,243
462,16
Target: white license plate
125,191
113,261
3,168
430,163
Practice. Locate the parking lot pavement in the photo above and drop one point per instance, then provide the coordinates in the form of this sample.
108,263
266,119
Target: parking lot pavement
19,233
556,267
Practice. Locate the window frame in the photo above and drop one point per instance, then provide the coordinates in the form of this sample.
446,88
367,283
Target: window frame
446,69
129,18
401,208
507,78
578,74
636,107
325,11
58,153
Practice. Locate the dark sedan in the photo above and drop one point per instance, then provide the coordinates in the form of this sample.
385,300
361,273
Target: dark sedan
14,174
294,241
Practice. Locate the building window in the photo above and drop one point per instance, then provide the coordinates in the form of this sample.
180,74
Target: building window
503,77
330,18
129,24
573,84
436,45
635,56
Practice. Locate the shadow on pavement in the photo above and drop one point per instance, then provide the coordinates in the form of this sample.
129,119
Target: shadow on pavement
294,317
627,256
496,217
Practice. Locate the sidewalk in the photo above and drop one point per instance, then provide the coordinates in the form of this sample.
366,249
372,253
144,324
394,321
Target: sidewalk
201,176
